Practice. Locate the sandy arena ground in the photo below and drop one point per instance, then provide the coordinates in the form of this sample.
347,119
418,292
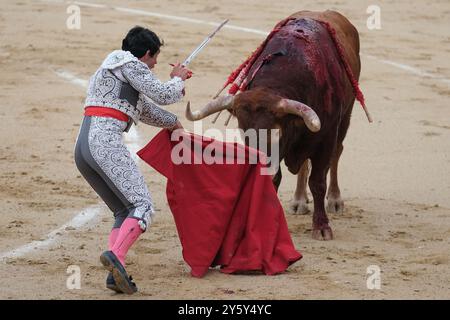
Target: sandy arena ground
394,173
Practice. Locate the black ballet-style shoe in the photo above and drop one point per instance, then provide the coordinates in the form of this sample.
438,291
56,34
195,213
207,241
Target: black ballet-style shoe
119,280
111,284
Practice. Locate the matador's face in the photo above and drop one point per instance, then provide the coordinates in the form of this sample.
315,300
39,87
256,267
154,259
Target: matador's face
150,60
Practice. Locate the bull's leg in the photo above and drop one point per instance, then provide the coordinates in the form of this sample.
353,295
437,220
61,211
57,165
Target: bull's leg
277,179
318,185
335,203
299,205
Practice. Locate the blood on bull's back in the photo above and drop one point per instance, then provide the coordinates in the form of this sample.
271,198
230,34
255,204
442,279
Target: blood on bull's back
301,62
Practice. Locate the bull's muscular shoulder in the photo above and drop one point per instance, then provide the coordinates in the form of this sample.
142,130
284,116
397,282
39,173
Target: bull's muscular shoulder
346,33
337,20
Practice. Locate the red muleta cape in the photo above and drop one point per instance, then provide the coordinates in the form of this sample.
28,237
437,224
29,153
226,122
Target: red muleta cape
227,215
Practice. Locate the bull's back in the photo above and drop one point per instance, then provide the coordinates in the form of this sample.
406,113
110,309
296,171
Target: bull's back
346,33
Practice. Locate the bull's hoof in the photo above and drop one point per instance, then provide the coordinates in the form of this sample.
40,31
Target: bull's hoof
335,205
323,233
299,207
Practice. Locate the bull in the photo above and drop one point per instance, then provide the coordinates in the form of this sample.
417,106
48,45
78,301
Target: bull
304,83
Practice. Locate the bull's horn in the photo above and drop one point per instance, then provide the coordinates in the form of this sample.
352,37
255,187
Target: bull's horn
309,116
214,106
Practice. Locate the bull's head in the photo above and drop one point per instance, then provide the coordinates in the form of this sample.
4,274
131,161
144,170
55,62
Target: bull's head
258,109
262,109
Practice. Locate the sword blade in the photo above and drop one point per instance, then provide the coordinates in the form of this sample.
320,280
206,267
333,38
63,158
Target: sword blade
203,44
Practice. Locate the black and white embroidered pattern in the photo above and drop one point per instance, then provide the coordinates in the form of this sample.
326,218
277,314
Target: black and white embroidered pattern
155,116
104,90
143,80
114,159
121,68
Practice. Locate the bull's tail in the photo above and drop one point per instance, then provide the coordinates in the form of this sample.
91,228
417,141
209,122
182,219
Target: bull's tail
351,77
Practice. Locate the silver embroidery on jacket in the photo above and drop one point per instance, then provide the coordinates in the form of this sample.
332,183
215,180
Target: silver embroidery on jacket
105,88
108,150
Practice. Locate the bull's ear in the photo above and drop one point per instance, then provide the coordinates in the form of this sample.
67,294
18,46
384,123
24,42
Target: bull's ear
277,112
299,122
296,121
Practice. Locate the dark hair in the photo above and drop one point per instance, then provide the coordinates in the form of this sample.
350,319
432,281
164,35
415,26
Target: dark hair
139,40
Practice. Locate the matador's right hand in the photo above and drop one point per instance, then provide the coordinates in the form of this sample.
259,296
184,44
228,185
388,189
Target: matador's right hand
180,71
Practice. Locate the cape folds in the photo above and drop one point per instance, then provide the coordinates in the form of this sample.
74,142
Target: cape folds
226,215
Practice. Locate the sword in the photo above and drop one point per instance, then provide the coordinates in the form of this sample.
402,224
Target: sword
203,44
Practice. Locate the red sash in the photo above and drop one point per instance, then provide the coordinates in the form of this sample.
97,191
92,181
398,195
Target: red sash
106,112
